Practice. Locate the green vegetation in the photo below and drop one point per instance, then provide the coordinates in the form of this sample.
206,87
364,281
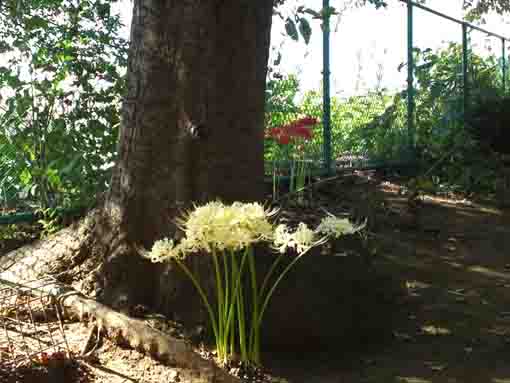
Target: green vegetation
62,83
372,128
59,111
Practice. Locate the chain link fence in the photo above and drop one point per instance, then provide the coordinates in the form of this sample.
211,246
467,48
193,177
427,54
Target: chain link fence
10,173
414,109
368,121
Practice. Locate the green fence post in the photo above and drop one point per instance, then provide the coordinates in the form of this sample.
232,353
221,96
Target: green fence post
465,69
326,100
503,64
410,80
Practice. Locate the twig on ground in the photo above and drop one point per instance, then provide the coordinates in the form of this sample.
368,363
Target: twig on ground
87,348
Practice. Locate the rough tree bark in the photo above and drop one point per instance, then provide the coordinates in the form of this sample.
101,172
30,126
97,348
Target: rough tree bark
192,121
193,116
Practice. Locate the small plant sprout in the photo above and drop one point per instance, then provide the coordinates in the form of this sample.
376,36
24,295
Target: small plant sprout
228,234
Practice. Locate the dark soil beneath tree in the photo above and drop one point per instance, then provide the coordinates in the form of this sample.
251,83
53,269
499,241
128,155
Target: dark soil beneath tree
454,256
453,324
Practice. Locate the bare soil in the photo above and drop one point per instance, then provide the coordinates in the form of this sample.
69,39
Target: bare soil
109,363
452,253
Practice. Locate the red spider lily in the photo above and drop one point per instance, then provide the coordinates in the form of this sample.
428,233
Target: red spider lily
284,139
301,131
279,135
275,132
300,128
308,121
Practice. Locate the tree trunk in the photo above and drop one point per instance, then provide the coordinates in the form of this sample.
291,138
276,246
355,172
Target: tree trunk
192,125
192,130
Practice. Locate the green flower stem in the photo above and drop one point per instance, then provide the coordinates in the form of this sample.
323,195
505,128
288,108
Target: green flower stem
232,342
233,277
301,179
302,174
203,296
292,185
239,303
275,181
227,295
235,298
280,277
221,324
242,324
235,288
269,274
254,343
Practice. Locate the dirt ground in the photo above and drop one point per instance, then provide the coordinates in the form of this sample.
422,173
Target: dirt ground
454,255
109,363
113,364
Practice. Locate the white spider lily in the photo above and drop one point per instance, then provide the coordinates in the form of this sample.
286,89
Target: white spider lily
215,226
333,226
161,250
301,239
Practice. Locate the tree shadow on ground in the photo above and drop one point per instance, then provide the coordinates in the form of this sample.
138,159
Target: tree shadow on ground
453,257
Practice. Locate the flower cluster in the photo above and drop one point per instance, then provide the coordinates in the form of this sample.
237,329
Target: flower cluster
161,250
304,238
228,233
301,239
332,226
300,128
217,227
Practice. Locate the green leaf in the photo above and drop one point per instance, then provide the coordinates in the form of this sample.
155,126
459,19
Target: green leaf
290,28
53,177
4,47
378,3
36,22
313,13
278,59
33,190
103,10
26,177
305,29
426,66
71,166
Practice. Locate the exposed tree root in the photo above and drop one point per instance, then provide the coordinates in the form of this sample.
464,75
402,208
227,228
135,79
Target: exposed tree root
60,255
135,333
75,253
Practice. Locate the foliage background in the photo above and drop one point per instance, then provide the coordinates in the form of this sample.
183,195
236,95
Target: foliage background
61,92
62,83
